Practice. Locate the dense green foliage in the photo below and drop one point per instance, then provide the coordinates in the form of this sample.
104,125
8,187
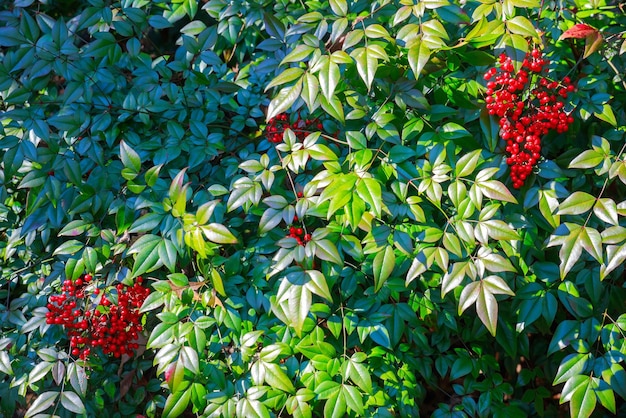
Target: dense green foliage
139,138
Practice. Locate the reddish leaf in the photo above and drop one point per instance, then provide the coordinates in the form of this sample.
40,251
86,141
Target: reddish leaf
579,31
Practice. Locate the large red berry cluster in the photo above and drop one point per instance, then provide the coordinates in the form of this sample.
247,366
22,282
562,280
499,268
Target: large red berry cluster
528,106
111,322
301,127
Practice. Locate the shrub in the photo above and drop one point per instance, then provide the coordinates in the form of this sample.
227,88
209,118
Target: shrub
323,203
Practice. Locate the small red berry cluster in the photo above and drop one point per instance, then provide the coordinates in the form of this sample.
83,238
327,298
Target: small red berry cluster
529,106
301,127
93,320
299,234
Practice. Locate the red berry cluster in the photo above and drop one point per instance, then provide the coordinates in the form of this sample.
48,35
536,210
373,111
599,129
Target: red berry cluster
94,320
301,127
528,105
299,234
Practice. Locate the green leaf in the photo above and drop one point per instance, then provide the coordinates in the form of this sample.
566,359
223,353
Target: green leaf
588,159
329,75
129,157
366,64
277,378
462,366
607,115
487,309
418,55
606,209
42,402
467,163
287,76
615,257
72,402
521,26
299,54
568,236
147,223
571,365
359,374
335,406
70,247
384,264
152,175
577,203
5,363
176,403
339,7
591,241
605,394
370,191
454,276
147,258
516,47
499,230
296,303
10,36
286,97
566,331
497,286
333,107
583,398
218,234
161,335
494,189
318,284
75,228
354,399
310,91
327,250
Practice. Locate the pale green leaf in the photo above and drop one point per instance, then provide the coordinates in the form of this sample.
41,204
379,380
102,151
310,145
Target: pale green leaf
286,97
587,159
41,402
487,309
366,65
318,284
218,234
606,209
287,76
339,7
521,26
577,203
72,402
494,189
418,55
